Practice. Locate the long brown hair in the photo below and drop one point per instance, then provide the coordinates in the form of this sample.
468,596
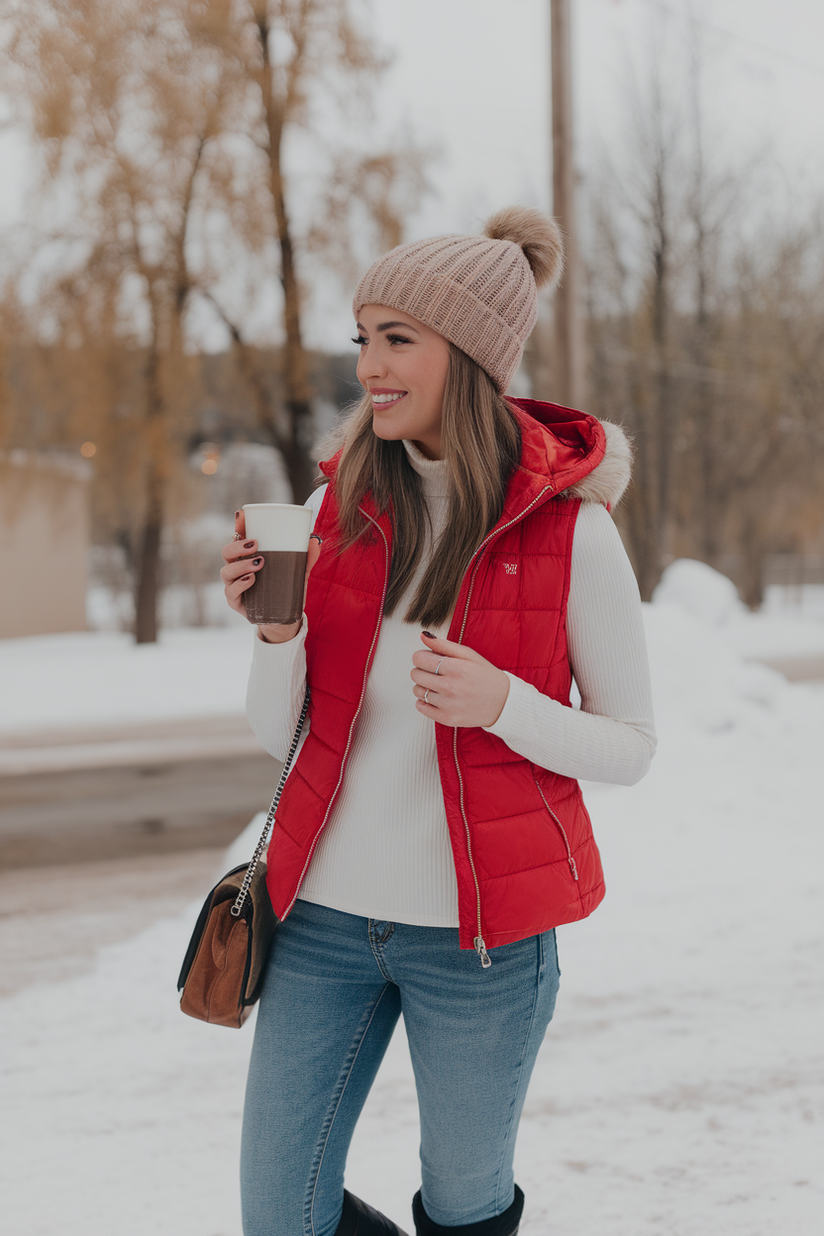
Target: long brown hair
481,444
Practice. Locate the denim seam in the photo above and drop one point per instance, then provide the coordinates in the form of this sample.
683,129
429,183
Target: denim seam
386,934
520,1070
376,952
555,954
337,1097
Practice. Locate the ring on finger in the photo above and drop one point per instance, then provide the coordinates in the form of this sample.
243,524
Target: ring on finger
238,536
438,667
426,695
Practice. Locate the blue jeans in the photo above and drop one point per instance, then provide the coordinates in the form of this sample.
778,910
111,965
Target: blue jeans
336,986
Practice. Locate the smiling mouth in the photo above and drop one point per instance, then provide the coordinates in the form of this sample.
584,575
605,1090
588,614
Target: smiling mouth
384,401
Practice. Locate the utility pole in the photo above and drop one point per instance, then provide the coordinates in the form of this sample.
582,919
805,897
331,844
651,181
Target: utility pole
569,340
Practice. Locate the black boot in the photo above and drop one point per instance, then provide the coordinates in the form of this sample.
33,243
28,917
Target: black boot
505,1224
358,1219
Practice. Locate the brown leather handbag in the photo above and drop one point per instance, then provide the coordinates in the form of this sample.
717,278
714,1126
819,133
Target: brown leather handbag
222,973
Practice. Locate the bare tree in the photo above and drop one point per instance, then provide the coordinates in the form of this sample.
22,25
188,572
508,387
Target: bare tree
638,224
164,129
705,332
124,117
775,451
297,58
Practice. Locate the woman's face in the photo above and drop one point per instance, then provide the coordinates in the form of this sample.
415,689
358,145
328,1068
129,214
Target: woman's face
403,365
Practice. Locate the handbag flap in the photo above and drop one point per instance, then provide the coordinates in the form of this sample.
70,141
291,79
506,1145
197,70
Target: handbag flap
222,891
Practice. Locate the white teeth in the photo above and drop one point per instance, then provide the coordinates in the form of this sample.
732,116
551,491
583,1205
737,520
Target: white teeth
387,398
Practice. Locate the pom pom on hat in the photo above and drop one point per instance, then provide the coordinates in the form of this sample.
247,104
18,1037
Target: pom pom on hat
479,292
536,234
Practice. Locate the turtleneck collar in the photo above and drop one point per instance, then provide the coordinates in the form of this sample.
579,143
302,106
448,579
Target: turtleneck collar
433,472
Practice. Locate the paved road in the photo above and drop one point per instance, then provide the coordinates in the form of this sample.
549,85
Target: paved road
68,797
104,830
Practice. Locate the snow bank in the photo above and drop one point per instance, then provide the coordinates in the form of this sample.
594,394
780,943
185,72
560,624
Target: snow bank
701,591
790,625
682,1079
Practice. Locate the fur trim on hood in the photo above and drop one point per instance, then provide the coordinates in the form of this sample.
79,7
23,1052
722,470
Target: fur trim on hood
607,482
575,440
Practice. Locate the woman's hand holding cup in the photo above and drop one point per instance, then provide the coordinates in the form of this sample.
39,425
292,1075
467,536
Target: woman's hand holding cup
242,564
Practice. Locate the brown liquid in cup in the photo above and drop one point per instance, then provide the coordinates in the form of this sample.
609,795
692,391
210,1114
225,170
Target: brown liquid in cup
277,593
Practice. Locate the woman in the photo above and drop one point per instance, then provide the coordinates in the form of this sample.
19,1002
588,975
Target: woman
432,834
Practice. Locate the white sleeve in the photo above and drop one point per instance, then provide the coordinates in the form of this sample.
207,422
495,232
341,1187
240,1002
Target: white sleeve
277,680
612,737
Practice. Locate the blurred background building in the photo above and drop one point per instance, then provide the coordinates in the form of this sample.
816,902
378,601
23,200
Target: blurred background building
45,540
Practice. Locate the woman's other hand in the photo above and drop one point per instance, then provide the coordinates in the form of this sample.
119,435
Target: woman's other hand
465,690
242,563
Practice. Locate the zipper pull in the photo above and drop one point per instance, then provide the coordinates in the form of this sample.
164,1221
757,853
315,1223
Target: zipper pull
480,949
573,868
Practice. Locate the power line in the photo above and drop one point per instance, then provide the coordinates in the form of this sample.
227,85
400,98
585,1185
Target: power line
739,38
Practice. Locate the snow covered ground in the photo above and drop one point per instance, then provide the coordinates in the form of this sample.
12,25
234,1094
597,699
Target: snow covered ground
681,1086
93,678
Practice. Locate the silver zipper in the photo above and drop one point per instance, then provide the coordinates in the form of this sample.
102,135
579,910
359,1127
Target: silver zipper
354,719
570,859
480,946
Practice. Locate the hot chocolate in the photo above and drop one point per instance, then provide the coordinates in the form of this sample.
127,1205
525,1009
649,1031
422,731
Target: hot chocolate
277,593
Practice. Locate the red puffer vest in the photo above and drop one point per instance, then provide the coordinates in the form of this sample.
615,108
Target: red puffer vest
525,857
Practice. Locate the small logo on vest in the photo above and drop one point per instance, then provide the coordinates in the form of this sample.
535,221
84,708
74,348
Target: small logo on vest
511,568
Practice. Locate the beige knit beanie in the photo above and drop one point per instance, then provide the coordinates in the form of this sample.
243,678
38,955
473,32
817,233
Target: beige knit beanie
479,292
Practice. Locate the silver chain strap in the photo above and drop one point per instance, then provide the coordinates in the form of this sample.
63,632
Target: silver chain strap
237,908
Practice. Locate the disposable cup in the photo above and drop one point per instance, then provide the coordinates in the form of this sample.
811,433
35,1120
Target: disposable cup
282,533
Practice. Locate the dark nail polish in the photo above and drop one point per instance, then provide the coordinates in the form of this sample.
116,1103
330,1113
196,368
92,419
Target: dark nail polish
248,544
256,561
429,635
237,514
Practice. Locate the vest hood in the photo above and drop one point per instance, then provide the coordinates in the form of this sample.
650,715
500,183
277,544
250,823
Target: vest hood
587,459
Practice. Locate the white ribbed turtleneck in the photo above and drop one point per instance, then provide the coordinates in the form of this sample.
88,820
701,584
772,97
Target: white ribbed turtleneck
385,851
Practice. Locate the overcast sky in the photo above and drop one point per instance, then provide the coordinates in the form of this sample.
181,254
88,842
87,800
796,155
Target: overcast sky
471,78
473,75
